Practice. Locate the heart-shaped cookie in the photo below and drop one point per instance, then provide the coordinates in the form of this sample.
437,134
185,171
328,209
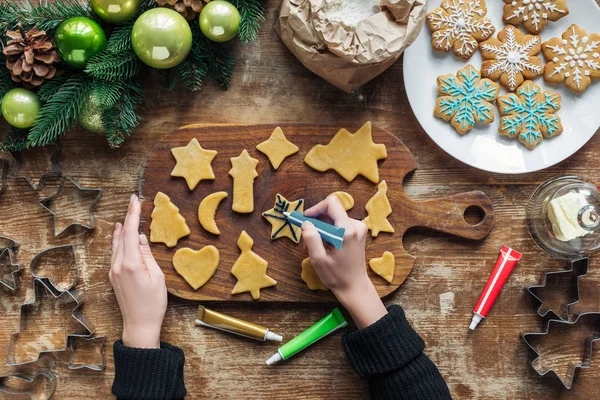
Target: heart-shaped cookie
196,267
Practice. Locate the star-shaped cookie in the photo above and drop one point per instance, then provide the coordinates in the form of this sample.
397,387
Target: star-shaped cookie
277,148
349,154
250,269
193,163
280,225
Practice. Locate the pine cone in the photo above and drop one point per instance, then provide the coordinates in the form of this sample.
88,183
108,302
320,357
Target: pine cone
188,8
30,57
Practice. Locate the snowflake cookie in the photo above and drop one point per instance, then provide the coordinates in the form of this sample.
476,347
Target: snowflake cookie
530,114
574,59
459,25
465,99
511,58
533,14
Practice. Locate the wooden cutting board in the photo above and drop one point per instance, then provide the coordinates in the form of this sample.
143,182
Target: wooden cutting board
294,180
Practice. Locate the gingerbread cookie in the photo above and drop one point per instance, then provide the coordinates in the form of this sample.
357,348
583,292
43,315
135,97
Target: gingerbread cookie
349,154
207,211
280,225
250,269
530,114
243,171
533,14
167,226
465,99
511,58
310,277
384,266
574,59
193,163
196,267
459,25
378,207
277,148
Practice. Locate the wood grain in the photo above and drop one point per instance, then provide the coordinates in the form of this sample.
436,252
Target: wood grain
294,180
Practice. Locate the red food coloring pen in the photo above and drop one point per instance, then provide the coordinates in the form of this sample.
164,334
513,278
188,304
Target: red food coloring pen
507,260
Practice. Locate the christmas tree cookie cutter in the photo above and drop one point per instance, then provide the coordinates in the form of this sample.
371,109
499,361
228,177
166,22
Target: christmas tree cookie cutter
40,386
47,204
21,159
39,287
6,258
577,270
94,366
542,366
36,261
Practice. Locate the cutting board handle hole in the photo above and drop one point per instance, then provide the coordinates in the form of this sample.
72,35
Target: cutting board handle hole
474,215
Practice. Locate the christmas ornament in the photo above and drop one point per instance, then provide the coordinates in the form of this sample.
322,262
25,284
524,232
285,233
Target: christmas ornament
90,117
20,108
161,38
188,8
78,39
219,21
30,56
115,11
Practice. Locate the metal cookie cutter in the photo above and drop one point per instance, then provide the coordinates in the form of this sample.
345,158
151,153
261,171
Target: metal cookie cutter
538,363
577,270
6,258
47,204
29,385
54,169
39,286
93,366
3,174
38,258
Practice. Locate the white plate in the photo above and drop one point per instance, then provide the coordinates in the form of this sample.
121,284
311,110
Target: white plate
483,147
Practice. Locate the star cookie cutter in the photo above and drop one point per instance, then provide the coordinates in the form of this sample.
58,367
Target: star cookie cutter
3,174
11,283
27,385
35,262
586,360
578,269
39,286
47,204
92,366
54,172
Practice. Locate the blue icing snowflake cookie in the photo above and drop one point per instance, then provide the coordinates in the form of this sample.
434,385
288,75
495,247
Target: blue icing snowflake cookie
465,99
529,114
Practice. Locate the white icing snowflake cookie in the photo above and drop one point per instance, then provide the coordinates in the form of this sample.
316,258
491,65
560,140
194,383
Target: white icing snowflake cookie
533,14
459,25
574,59
511,58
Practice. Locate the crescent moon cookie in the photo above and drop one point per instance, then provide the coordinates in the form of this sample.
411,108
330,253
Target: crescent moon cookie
533,14
167,226
465,99
574,59
511,58
250,269
207,211
193,163
459,25
530,115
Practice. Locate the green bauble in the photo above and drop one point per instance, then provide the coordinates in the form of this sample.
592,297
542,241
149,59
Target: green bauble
115,11
20,108
78,39
90,117
161,38
219,21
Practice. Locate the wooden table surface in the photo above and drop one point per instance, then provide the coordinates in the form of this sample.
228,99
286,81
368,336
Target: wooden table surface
271,86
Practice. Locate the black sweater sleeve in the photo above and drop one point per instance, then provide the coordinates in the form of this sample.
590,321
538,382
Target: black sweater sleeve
389,354
145,374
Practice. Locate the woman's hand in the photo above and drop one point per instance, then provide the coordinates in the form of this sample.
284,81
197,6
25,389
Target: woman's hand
344,271
138,282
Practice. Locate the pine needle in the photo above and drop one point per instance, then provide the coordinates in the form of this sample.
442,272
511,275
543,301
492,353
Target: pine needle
120,38
251,16
49,88
45,15
14,140
113,66
107,93
120,121
192,74
167,78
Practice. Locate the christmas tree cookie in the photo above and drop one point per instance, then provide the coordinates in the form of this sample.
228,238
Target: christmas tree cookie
384,266
243,171
379,209
530,115
277,148
465,99
250,269
193,163
533,14
310,277
459,25
196,267
167,226
280,225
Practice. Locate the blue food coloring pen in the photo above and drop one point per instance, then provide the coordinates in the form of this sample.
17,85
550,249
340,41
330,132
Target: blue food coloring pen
329,233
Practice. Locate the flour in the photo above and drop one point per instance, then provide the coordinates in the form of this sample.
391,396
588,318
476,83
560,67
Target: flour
349,13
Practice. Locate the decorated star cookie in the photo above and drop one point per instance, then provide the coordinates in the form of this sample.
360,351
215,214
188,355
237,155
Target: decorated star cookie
167,226
349,154
529,114
277,148
511,58
243,172
207,211
574,59
310,277
379,209
193,163
459,25
250,269
345,198
533,14
280,225
196,267
465,99
384,266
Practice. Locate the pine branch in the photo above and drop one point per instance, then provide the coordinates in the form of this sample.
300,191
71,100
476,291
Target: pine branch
120,38
167,78
120,121
113,66
107,93
45,15
6,82
14,140
49,88
217,59
60,111
251,14
192,74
